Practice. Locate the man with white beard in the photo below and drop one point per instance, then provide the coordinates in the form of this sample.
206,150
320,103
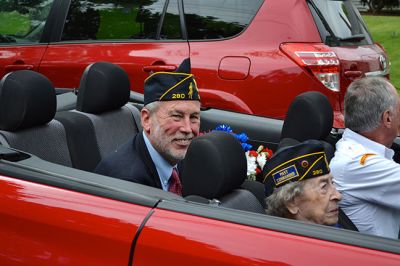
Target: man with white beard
170,119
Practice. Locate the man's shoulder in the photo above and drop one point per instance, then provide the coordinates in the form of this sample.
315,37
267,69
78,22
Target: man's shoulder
354,162
130,162
347,151
121,159
126,149
357,158
350,145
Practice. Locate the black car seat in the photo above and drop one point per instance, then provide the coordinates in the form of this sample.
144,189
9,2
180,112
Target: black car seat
214,168
27,108
257,188
310,116
103,119
345,222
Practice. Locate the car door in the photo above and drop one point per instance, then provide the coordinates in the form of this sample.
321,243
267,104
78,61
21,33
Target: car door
128,33
56,215
43,225
192,234
23,34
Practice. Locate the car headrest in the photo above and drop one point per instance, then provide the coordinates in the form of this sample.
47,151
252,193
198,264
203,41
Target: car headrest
257,188
288,142
215,164
310,116
27,99
104,87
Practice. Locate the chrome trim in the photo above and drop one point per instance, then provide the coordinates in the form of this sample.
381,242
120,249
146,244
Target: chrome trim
382,62
379,73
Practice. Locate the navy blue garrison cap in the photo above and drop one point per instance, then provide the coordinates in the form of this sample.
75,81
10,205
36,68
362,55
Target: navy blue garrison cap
295,163
171,86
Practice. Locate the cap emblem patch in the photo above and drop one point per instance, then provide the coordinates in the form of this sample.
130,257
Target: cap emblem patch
285,174
304,164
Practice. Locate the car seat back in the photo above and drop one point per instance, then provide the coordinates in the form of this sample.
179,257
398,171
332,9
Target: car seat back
310,116
103,120
214,168
345,222
27,108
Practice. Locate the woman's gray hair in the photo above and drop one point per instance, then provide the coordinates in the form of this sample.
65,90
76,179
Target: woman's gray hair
365,101
278,200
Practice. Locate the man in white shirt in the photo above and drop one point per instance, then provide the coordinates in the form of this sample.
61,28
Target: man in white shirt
363,168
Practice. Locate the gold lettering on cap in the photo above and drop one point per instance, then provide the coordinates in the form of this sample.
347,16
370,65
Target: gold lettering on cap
317,172
178,96
190,93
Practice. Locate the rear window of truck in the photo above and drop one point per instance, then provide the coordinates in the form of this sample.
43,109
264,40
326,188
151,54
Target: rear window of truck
339,23
215,19
113,20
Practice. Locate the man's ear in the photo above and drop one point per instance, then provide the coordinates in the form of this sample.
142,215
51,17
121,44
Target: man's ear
387,118
292,208
145,119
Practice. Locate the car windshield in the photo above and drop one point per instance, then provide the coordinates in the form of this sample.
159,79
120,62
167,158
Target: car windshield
339,23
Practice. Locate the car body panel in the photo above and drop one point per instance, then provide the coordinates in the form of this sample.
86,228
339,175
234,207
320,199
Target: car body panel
363,60
65,71
57,215
14,58
44,225
181,240
245,73
269,70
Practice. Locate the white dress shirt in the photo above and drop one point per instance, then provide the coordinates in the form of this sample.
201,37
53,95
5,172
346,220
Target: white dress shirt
369,180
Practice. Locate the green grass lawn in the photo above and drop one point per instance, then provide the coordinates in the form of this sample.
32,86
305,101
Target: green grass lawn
386,31
13,23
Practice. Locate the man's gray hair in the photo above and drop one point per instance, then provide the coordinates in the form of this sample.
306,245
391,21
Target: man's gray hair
153,106
278,200
365,101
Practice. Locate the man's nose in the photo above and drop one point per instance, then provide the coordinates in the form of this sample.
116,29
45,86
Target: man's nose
186,125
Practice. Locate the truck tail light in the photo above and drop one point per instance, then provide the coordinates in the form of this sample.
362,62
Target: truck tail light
318,59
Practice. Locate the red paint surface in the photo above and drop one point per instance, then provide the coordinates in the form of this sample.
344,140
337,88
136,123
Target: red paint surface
173,239
264,84
41,225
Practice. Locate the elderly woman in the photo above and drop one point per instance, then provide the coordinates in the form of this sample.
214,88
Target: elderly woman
299,185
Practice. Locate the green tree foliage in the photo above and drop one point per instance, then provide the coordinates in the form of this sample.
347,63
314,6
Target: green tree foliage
19,5
375,6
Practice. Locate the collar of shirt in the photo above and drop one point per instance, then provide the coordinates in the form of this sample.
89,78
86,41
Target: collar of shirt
369,144
164,169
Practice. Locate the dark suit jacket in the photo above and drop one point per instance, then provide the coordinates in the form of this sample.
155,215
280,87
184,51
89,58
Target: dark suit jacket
132,162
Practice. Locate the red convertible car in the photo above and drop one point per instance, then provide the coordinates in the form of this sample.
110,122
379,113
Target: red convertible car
55,211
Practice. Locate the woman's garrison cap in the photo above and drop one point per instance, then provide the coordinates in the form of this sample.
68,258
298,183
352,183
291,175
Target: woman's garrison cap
295,163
